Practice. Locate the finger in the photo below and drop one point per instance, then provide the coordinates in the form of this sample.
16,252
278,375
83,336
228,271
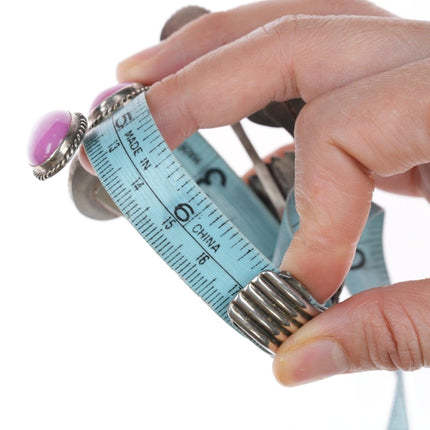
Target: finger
384,328
378,125
414,182
85,162
423,181
217,29
278,62
287,63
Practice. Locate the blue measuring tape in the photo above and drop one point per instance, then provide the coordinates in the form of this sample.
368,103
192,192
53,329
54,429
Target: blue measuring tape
173,214
202,219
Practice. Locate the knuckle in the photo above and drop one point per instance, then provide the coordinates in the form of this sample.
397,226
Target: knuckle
282,33
393,338
217,23
282,27
318,134
187,112
307,126
218,18
321,121
171,88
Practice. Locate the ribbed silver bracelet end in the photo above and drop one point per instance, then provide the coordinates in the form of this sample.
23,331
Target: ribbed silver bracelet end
272,307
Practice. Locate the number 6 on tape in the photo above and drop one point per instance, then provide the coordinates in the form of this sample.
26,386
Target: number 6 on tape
166,206
194,211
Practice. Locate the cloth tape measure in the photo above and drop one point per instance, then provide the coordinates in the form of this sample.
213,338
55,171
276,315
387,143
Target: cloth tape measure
196,213
167,207
211,228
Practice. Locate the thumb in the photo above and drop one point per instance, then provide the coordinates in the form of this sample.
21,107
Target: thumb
384,328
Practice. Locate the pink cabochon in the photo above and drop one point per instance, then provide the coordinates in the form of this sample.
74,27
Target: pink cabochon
47,136
107,93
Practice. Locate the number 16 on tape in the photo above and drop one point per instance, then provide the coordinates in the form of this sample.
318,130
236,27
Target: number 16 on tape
189,205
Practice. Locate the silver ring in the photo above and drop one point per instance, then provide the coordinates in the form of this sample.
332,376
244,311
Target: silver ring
272,307
114,102
86,190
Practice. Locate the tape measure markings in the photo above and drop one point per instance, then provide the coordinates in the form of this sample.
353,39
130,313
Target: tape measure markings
229,193
166,211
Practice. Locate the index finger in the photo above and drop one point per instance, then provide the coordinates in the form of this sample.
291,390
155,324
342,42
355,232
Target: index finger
295,56
279,62
219,28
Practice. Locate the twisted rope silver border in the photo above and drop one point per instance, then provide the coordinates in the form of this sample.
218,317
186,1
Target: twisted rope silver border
65,151
114,102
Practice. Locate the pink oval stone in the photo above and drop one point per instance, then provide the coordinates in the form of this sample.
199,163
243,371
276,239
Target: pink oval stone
107,93
47,136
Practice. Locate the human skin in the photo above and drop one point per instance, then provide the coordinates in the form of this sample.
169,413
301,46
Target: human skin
365,77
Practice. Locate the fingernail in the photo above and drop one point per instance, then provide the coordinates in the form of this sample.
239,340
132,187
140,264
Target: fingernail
142,55
310,362
134,64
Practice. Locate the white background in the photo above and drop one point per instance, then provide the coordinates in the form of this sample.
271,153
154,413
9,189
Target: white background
95,331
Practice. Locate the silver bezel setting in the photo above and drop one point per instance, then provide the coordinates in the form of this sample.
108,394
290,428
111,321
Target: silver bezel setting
88,194
66,149
114,102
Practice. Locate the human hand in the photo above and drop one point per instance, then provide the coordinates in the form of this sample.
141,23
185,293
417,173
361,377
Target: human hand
366,82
